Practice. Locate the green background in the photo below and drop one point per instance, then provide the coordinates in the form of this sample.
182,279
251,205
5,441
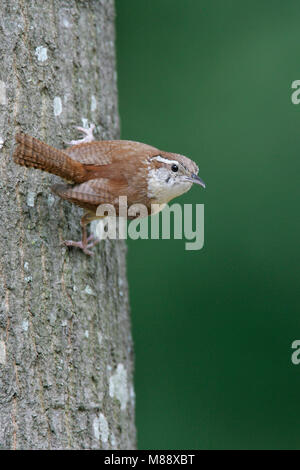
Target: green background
213,328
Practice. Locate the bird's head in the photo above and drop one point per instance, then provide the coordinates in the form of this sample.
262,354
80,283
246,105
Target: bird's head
170,175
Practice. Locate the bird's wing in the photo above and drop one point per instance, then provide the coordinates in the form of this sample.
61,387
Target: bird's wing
92,193
106,152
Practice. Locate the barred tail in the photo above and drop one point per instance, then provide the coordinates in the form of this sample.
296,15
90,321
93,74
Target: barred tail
33,153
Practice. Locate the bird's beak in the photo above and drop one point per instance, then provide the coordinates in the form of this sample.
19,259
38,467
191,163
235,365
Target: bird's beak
195,179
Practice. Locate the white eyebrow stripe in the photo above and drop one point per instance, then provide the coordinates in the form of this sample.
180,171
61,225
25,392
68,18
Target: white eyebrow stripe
164,160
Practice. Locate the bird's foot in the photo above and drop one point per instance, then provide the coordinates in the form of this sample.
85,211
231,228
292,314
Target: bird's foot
89,137
85,246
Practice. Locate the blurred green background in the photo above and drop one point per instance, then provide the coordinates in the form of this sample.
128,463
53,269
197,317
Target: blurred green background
213,328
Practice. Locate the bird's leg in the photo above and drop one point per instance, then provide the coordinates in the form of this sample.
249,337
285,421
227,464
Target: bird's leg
89,137
86,242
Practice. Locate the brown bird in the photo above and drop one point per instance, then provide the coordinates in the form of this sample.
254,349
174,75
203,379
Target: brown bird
102,171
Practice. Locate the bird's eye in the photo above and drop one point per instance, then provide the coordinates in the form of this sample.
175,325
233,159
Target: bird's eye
174,168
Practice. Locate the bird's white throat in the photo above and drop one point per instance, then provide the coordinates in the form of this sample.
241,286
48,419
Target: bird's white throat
162,187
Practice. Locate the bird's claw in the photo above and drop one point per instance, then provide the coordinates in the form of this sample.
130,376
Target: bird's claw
90,243
89,136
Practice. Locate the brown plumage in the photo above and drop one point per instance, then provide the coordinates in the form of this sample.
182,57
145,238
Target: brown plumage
105,169
101,171
31,152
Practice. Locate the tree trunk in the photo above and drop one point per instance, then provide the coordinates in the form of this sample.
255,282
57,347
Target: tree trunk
66,360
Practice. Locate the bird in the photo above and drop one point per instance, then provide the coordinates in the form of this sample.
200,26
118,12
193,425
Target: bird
100,172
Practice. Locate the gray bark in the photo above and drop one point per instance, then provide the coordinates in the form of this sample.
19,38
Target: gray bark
65,344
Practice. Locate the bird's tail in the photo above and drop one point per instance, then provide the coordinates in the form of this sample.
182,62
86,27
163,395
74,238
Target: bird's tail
31,152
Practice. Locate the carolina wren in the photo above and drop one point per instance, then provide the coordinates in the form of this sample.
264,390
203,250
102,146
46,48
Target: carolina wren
101,171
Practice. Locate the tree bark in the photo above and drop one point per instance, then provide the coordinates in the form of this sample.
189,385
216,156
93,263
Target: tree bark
66,360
